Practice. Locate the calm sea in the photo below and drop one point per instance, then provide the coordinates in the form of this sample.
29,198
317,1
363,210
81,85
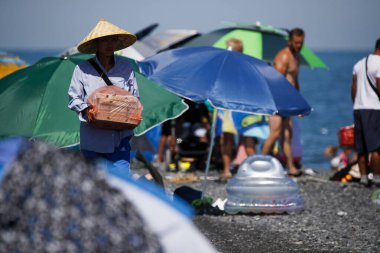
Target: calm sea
327,91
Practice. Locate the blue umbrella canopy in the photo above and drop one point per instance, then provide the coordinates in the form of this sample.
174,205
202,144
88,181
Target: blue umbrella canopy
228,79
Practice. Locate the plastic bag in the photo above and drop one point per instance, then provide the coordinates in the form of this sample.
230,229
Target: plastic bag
114,108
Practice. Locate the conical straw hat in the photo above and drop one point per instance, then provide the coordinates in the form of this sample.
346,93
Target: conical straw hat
102,29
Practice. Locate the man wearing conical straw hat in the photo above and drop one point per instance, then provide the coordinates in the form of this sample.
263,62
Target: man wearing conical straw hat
104,39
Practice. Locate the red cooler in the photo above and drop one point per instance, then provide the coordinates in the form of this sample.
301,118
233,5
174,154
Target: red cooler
347,136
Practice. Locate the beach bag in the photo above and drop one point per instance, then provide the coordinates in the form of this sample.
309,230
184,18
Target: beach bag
114,108
350,173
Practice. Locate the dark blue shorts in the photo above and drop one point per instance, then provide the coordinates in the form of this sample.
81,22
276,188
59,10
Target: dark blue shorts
367,130
122,152
166,128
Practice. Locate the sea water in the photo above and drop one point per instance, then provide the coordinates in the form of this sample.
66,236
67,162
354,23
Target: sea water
327,91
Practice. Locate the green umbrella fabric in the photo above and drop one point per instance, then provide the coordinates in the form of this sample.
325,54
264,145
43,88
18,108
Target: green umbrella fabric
261,43
159,104
34,102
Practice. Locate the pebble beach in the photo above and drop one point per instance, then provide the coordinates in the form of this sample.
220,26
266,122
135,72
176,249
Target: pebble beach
337,217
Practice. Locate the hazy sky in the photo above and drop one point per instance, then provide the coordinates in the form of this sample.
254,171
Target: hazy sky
56,24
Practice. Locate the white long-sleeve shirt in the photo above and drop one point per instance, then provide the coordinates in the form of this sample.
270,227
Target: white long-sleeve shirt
84,81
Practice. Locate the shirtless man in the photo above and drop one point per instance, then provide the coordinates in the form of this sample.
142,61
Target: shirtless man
287,63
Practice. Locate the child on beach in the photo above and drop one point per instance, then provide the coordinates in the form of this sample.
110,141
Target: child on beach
340,159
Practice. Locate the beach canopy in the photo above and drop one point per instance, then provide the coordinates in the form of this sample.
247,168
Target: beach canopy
34,102
262,42
228,80
54,200
10,63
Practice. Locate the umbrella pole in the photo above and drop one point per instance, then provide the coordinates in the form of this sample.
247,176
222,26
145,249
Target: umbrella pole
213,125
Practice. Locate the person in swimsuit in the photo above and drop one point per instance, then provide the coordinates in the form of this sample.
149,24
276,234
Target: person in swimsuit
287,62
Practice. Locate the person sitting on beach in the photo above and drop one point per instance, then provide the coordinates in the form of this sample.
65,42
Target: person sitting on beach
287,62
104,39
341,159
365,93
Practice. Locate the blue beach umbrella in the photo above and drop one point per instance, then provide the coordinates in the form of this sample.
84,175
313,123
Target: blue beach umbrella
227,79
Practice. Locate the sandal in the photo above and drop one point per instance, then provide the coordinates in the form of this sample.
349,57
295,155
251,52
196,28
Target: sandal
298,174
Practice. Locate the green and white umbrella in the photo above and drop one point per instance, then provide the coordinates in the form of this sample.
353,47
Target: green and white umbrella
34,102
262,42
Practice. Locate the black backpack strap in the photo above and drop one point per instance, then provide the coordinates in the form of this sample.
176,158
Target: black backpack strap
99,70
369,81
